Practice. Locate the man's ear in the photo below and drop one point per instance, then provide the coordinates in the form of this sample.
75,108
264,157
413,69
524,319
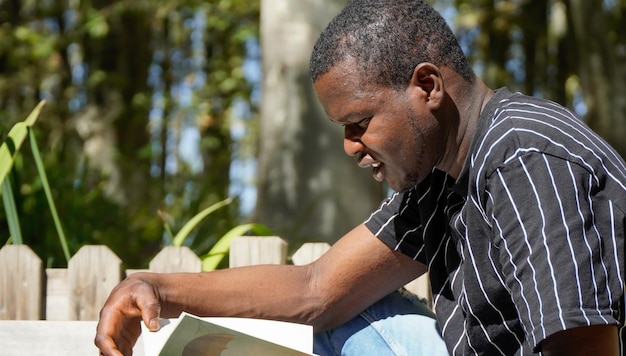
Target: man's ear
428,78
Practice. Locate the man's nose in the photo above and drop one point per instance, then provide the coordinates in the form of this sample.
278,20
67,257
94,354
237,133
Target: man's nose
352,143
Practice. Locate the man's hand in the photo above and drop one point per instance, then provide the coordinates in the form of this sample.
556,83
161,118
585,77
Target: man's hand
584,340
133,300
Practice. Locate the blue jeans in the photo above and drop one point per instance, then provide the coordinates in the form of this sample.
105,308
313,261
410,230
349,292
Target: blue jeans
398,324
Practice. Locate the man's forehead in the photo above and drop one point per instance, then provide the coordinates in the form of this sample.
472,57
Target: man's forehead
348,77
339,82
343,97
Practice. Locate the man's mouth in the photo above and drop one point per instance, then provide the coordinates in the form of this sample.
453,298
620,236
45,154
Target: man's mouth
367,161
377,171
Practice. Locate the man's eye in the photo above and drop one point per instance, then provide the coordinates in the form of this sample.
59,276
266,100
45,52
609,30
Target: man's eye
364,122
360,124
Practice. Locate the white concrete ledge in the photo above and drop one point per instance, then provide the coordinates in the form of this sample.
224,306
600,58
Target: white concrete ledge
50,338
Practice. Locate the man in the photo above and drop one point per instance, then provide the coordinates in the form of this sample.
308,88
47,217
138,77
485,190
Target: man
511,203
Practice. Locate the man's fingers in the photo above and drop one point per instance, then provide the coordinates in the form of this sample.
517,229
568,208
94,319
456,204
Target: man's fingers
122,345
108,327
119,327
106,345
150,314
117,333
150,308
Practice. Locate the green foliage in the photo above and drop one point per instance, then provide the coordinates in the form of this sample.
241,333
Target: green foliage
8,152
212,259
14,140
184,232
105,69
12,216
46,186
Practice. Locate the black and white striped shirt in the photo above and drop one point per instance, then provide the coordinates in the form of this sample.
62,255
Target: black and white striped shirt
528,241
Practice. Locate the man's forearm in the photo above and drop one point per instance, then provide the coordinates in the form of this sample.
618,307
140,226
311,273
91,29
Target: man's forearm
584,340
280,292
357,271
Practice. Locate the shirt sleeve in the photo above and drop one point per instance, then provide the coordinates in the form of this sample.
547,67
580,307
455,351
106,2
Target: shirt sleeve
394,226
405,220
556,233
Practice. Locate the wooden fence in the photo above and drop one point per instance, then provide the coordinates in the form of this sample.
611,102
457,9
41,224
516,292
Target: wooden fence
30,293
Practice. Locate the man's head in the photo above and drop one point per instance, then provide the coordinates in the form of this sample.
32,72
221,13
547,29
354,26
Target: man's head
387,39
378,70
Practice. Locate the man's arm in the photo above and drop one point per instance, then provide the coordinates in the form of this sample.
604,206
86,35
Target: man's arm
585,340
357,271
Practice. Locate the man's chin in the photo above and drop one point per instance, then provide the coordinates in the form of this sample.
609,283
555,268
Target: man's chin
403,186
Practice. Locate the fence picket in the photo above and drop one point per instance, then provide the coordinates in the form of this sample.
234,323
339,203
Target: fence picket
176,259
92,273
20,283
250,250
309,252
57,294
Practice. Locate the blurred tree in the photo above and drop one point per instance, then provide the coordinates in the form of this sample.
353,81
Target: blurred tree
308,189
570,51
599,36
133,86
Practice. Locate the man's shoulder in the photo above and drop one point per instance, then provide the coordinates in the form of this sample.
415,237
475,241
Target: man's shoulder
518,119
526,110
520,124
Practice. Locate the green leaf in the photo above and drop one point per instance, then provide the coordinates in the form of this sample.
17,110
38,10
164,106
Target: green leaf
212,259
166,226
11,212
182,234
14,141
46,187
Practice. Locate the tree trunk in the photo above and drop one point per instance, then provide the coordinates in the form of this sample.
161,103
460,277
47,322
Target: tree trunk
308,189
602,77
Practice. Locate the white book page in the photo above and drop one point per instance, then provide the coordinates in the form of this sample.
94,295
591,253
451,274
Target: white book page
294,336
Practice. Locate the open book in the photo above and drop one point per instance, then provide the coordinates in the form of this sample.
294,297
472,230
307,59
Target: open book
189,335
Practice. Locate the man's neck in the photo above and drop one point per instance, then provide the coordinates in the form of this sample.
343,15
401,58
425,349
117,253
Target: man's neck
467,103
